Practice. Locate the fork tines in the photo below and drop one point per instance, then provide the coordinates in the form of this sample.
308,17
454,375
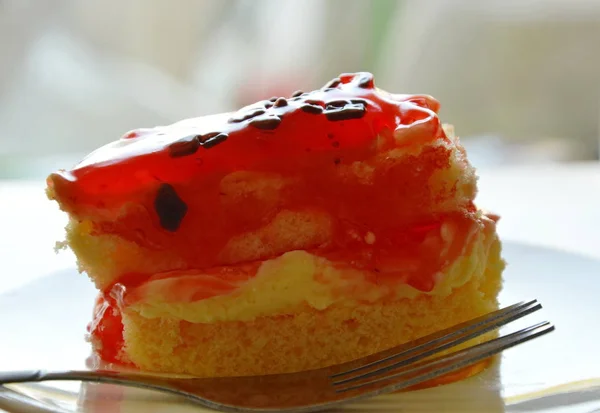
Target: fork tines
405,363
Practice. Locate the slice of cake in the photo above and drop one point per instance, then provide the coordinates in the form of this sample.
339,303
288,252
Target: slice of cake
293,234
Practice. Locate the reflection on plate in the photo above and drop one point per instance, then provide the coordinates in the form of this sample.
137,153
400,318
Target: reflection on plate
44,325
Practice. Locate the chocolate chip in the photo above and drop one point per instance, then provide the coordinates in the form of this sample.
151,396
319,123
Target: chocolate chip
333,83
350,111
207,136
273,99
235,119
297,93
266,122
329,89
336,104
363,101
169,207
255,113
314,102
184,147
313,109
281,102
268,105
247,115
211,139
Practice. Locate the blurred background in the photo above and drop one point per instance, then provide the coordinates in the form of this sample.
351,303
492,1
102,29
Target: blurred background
520,79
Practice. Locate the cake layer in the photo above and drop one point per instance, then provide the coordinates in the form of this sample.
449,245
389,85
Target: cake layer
306,339
294,283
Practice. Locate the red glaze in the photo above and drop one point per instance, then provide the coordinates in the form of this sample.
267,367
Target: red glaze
106,328
141,158
307,148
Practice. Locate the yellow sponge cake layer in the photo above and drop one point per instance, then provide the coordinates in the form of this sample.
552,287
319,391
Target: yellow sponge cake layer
308,337
297,304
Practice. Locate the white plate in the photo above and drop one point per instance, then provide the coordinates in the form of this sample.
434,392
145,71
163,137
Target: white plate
42,326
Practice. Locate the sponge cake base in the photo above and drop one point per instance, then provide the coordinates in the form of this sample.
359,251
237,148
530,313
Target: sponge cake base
306,339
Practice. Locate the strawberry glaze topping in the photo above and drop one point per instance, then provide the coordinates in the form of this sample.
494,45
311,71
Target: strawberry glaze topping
169,179
162,187
337,123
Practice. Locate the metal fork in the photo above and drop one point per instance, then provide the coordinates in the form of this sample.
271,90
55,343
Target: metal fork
315,390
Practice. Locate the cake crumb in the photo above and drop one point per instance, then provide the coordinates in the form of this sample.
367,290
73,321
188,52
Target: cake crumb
60,245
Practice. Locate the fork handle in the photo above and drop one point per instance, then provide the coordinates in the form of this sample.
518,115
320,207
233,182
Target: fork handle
21,376
99,376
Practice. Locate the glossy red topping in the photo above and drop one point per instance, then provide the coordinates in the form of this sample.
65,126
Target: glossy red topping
339,123
106,328
162,188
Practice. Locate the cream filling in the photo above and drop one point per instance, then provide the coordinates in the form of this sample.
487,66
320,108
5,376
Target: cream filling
297,279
